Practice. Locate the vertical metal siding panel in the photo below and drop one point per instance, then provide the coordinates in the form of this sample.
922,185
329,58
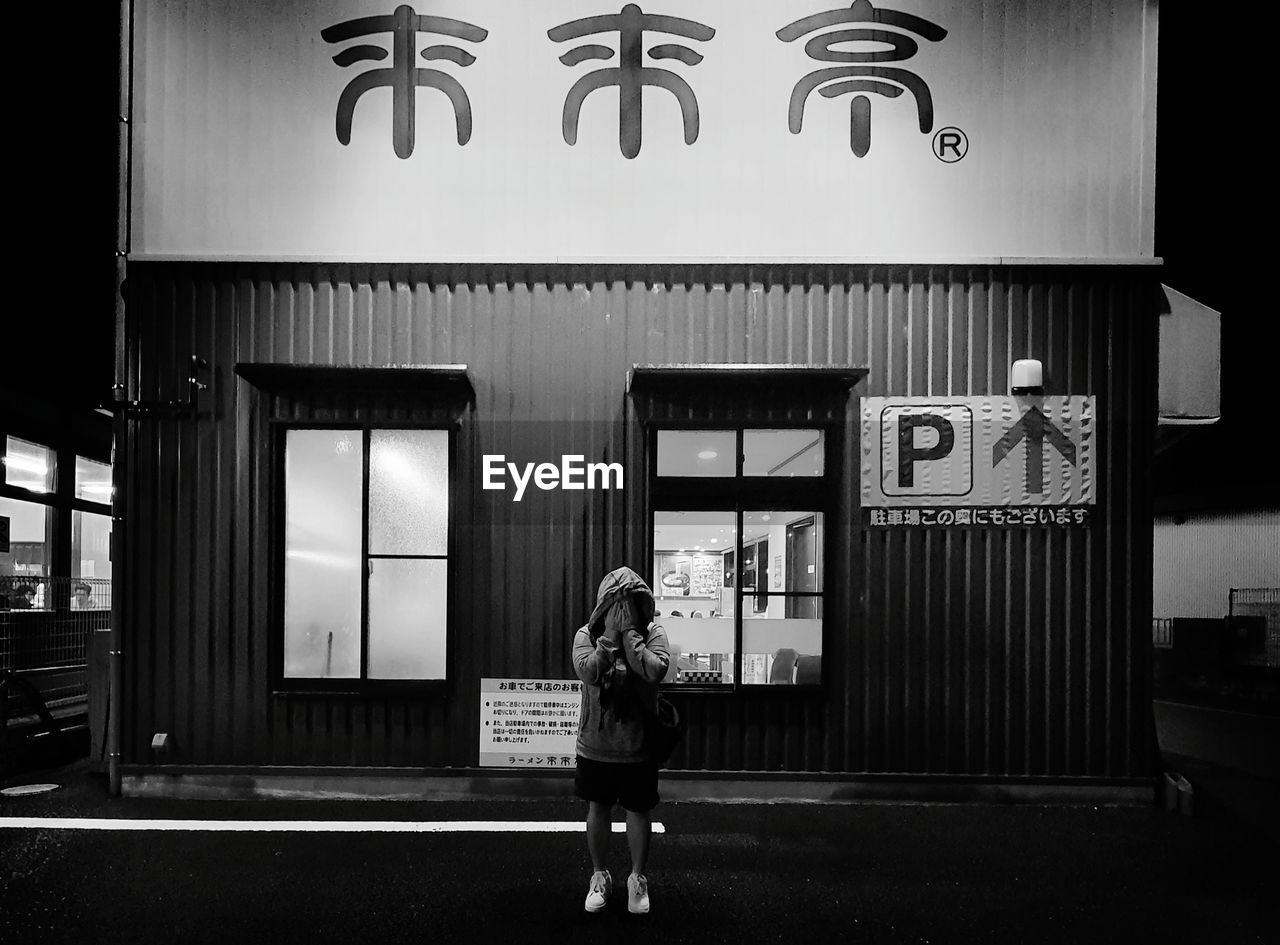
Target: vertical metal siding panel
257,720
1143,753
196,558
846,729
169,590
1053,634
557,511
456,342
552,426
959,559
977,635
137,642
521,563
1122,538
1076,378
1110,471
246,721
939,720
1143,408
875,546
493,403
139,638
848,739
896,625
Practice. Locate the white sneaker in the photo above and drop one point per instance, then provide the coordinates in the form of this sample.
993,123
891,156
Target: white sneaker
637,894
598,893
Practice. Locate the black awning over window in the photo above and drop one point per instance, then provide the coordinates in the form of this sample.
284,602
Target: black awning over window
293,378
799,378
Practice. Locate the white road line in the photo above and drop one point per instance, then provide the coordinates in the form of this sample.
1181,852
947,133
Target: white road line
307,826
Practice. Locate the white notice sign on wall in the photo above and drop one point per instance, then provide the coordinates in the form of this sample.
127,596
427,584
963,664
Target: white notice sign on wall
529,723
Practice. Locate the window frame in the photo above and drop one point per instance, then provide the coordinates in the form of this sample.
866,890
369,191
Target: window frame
741,494
362,685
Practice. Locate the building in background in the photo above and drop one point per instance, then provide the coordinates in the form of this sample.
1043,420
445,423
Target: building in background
768,324
55,564
1216,495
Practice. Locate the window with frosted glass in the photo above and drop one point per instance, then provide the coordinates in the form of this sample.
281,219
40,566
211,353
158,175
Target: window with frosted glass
408,492
408,544
28,465
407,598
366,572
323,572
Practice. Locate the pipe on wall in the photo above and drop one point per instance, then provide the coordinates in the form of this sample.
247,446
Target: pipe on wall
120,393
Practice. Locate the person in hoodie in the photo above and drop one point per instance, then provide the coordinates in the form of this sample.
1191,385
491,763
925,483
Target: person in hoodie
621,656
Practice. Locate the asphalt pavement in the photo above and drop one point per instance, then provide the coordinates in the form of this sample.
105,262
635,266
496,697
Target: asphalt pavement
810,873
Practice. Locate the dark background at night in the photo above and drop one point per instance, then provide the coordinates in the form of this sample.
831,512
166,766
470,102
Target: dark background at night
59,342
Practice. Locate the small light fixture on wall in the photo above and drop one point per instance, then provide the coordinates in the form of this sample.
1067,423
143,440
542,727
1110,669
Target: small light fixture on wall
1026,378
161,744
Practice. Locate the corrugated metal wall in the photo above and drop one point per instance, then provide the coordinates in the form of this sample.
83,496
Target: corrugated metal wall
1200,556
984,653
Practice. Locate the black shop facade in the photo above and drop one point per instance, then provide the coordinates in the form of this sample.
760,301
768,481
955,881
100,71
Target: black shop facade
866,394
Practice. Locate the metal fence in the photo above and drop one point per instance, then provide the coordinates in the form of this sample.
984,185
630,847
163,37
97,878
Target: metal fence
45,623
1254,618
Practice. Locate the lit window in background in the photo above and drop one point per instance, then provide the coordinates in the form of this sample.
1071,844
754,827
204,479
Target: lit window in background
30,539
93,480
90,545
28,465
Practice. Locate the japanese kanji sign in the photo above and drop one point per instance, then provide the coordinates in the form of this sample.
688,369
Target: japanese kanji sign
1008,461
529,723
440,130
881,80
404,77
631,76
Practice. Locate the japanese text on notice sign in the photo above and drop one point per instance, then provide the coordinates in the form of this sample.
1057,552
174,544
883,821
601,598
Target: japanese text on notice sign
529,723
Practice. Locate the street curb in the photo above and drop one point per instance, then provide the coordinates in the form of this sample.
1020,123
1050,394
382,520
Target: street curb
683,787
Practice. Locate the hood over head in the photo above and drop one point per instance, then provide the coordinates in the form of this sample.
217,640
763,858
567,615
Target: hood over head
618,584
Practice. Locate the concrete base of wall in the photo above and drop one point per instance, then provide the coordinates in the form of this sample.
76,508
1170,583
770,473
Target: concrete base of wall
471,784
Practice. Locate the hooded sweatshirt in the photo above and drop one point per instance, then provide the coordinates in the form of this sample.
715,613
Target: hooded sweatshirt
621,656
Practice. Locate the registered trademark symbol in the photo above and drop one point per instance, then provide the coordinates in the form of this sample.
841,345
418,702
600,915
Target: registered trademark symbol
950,145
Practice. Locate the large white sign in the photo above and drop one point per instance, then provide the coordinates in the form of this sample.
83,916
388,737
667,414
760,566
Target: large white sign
914,130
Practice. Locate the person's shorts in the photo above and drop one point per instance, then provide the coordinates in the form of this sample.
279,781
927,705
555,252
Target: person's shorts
634,786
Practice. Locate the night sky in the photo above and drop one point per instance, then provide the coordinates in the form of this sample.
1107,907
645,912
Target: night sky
59,340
